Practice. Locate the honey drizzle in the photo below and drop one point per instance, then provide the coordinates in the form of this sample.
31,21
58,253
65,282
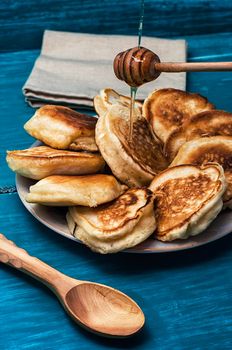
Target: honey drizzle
133,90
140,31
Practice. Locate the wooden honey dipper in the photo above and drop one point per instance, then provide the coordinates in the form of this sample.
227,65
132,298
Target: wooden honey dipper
137,66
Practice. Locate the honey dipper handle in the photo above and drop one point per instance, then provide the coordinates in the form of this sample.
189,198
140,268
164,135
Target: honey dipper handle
193,66
18,258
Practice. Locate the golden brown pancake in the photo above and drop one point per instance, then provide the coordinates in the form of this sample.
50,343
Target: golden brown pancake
134,162
87,190
59,127
187,199
40,162
99,106
115,226
209,149
109,97
168,109
84,143
204,124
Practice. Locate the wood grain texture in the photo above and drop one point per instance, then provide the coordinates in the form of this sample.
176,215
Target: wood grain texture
98,308
186,297
22,22
139,66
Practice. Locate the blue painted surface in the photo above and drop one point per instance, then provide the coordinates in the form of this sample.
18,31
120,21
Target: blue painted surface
22,21
186,296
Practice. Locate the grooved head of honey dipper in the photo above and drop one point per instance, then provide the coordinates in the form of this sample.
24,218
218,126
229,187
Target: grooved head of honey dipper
136,66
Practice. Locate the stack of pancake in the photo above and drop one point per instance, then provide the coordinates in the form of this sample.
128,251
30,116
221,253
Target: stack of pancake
170,180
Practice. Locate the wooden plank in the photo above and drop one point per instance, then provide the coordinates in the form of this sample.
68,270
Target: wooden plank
215,86
22,22
14,69
186,296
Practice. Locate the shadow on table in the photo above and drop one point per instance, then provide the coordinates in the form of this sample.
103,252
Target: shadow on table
141,338
126,262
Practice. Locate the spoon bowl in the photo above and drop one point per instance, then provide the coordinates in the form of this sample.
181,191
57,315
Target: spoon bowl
98,308
104,310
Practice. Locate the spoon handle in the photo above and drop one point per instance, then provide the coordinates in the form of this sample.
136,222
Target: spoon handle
18,258
193,66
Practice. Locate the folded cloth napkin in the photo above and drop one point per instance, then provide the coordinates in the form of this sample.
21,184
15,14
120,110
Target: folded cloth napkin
72,67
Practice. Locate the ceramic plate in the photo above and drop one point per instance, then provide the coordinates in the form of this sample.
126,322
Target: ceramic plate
54,218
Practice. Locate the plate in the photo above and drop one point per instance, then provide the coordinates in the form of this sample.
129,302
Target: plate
54,218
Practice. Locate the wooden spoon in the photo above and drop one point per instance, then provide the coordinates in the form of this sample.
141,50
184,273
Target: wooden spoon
137,66
98,308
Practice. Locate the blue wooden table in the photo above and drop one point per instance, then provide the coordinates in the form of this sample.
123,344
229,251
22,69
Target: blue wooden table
186,296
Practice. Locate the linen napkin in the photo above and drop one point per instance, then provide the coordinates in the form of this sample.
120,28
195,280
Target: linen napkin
73,67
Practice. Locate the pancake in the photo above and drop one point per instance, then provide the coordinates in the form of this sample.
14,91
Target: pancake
108,97
40,162
135,162
209,149
84,143
121,224
204,124
99,106
187,200
168,109
87,190
61,127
